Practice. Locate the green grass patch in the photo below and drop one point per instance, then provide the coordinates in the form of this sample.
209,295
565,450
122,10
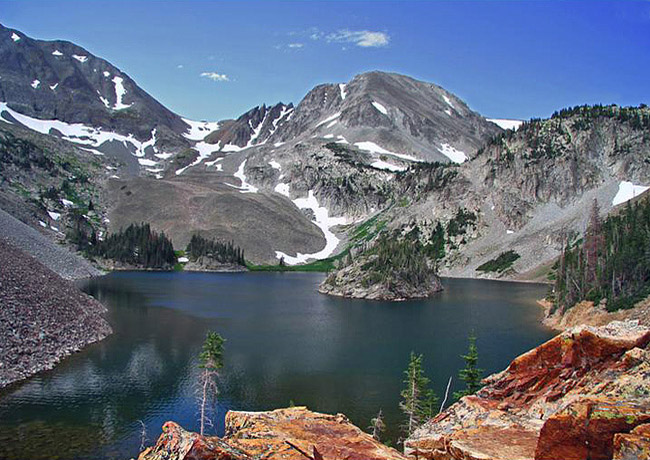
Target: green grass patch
500,264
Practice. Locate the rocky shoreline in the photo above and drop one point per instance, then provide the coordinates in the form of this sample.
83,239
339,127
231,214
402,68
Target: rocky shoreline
582,394
567,399
43,318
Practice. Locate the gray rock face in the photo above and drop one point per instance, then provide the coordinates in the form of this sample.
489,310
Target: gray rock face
396,112
60,80
254,127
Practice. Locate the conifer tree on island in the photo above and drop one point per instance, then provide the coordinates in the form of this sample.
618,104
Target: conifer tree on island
418,400
471,374
210,361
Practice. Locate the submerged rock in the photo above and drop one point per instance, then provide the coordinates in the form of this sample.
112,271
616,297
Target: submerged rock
292,433
566,399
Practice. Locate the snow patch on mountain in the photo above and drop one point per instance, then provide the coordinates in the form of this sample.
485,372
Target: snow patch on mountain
78,133
228,148
57,53
205,151
384,165
15,37
245,187
283,189
342,89
448,101
35,84
80,58
627,191
275,165
53,87
380,107
328,119
452,153
505,123
120,91
199,129
322,221
374,148
285,111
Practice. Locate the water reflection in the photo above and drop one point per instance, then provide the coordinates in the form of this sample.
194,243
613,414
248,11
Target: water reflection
285,342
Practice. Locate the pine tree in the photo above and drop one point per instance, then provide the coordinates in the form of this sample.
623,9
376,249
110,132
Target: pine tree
377,425
418,401
471,374
210,361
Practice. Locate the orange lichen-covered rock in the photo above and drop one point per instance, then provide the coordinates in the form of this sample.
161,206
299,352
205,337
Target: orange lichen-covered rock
585,429
177,444
634,445
293,432
287,434
504,419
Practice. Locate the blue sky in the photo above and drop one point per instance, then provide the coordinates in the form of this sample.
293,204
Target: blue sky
505,59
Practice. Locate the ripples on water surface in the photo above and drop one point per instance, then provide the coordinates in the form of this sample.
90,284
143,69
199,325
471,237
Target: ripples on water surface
285,342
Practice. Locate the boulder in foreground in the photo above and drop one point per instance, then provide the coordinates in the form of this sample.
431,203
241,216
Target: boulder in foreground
569,398
287,434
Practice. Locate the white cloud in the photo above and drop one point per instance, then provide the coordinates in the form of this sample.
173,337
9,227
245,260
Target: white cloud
179,66
363,38
295,45
214,76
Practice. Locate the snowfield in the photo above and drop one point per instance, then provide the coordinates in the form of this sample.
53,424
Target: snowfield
15,37
448,101
245,187
205,150
199,129
627,191
380,107
505,123
83,135
322,221
384,165
453,154
342,89
120,91
374,148
328,119
80,58
282,189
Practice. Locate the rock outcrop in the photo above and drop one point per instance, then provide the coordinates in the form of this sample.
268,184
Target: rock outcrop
634,445
43,318
283,434
587,313
569,398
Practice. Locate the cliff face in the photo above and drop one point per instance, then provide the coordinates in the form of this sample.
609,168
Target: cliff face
292,433
569,398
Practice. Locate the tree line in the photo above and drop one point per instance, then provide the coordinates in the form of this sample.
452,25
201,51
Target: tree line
611,262
137,245
221,252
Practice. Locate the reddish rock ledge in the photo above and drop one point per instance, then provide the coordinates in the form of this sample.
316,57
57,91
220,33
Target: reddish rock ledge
573,397
282,434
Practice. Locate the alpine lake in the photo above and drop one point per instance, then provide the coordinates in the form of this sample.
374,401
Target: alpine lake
285,344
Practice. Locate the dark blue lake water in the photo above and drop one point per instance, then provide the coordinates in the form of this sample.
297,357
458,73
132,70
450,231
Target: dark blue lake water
285,343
